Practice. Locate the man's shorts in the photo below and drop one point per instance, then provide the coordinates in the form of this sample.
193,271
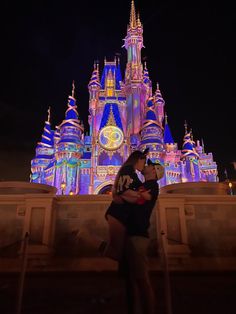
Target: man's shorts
136,252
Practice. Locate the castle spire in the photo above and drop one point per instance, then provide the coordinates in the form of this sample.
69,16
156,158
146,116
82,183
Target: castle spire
134,74
203,147
49,114
73,89
47,136
151,131
168,139
139,24
71,115
185,127
146,78
166,122
111,119
188,149
132,20
44,153
191,133
95,80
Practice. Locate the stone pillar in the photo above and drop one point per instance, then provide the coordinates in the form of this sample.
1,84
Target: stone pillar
171,220
40,223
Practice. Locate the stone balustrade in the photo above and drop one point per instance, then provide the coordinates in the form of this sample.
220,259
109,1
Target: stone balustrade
195,224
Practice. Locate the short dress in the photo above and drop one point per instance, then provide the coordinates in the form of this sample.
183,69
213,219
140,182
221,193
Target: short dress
128,179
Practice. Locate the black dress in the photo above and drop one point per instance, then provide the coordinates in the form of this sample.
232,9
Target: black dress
128,179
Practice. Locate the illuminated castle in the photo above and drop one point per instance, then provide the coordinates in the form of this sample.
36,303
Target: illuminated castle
125,115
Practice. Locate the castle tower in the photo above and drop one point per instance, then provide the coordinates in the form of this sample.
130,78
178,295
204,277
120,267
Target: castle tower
159,104
94,87
152,133
69,150
109,147
147,83
44,154
134,76
169,144
189,158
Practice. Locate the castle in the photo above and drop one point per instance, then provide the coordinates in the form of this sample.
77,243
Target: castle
125,115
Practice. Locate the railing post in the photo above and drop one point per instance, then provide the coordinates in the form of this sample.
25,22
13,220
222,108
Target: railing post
22,274
166,275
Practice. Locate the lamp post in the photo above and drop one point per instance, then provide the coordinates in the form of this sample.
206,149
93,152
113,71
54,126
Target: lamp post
63,186
22,274
230,188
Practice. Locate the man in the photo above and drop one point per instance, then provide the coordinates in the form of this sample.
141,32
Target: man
139,286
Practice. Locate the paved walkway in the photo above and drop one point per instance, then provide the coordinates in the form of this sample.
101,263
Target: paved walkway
104,292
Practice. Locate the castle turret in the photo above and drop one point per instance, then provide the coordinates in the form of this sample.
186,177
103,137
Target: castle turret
69,149
44,153
169,143
147,84
189,157
159,103
188,149
94,87
146,78
152,133
134,74
71,128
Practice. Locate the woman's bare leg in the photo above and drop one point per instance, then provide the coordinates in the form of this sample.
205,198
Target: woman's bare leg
117,234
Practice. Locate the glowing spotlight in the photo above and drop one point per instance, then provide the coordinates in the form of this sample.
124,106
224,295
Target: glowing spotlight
63,186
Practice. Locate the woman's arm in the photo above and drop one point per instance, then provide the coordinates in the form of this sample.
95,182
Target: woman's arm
116,197
133,196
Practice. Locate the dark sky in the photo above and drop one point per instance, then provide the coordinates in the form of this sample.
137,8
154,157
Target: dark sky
47,44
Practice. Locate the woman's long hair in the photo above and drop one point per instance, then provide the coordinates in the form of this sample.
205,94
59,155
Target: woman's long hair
130,161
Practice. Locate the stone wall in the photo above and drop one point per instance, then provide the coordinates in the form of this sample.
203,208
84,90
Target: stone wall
195,231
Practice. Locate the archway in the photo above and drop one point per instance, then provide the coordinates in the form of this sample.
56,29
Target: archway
106,189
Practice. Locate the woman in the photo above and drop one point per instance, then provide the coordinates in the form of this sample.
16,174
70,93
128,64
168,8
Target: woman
125,191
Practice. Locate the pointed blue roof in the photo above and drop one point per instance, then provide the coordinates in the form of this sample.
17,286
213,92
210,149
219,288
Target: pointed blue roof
71,115
47,137
106,113
94,81
71,112
158,96
150,131
146,78
150,114
168,139
188,147
150,102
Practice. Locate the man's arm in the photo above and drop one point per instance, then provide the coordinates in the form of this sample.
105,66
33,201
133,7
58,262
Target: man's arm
130,196
133,196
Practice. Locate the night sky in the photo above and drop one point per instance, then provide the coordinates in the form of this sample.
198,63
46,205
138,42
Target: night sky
46,45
